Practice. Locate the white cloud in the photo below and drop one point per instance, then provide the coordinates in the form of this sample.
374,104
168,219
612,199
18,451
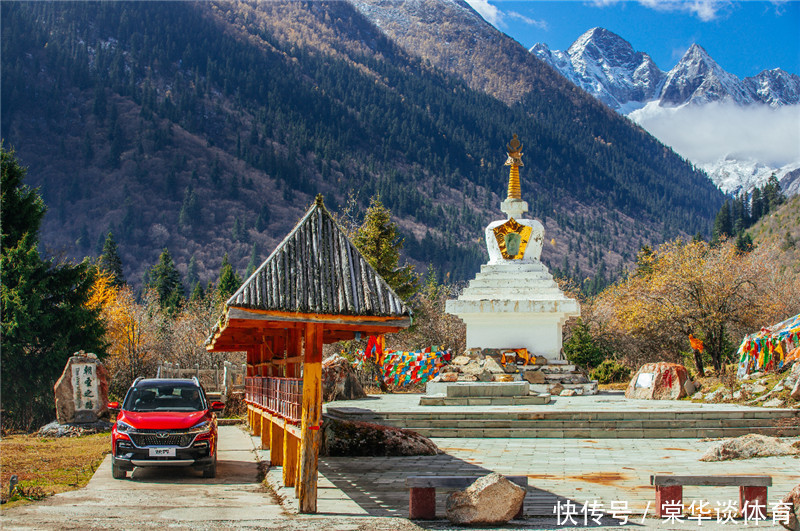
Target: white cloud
541,24
705,10
490,13
708,133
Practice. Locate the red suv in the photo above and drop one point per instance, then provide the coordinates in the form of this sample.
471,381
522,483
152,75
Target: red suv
165,423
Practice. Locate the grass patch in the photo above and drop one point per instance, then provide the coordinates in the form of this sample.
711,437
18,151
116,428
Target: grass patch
47,466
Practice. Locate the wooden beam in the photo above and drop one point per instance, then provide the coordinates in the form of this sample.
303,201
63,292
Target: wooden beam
248,314
311,417
284,361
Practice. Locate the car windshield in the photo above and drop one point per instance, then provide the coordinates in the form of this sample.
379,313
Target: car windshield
163,396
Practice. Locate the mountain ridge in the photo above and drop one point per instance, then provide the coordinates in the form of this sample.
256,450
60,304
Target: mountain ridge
208,128
627,81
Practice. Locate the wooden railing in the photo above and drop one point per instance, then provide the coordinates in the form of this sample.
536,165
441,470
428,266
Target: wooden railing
281,397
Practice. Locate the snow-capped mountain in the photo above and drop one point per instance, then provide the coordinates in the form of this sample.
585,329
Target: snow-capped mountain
606,66
698,79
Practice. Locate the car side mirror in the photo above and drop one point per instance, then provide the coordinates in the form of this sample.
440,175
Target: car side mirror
113,406
217,406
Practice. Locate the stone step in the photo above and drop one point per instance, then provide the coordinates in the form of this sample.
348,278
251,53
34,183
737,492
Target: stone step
676,415
566,424
483,401
607,433
520,293
588,388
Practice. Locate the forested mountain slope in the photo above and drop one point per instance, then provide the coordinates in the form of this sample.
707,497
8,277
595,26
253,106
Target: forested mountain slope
208,128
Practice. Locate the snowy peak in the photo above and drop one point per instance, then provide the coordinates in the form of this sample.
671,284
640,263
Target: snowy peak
606,66
698,79
775,87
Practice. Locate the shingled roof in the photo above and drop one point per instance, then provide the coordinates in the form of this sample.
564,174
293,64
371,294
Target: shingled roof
316,269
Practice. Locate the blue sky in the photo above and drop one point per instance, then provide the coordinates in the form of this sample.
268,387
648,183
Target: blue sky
743,37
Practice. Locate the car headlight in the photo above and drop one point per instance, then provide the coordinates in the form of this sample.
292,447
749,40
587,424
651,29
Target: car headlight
203,427
124,427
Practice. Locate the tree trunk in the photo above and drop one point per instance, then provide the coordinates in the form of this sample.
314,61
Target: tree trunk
698,362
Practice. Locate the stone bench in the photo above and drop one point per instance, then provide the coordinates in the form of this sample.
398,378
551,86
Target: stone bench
422,492
752,489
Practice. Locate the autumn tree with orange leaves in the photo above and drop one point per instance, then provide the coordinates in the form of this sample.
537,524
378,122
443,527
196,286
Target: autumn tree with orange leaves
716,293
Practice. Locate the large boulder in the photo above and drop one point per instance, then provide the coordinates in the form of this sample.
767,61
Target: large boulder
793,501
348,438
339,381
491,499
658,381
81,392
747,446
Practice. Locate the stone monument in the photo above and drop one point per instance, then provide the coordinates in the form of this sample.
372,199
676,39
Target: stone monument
514,313
514,303
82,390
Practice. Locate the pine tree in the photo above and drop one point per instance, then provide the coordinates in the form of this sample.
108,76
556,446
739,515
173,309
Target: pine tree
379,242
198,293
723,225
253,263
110,261
229,281
192,277
165,279
43,306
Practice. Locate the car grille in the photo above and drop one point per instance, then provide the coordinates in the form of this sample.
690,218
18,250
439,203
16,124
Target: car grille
153,439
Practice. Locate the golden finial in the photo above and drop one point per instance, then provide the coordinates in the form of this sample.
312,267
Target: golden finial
515,161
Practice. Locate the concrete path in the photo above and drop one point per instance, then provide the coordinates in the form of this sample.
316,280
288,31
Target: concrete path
158,498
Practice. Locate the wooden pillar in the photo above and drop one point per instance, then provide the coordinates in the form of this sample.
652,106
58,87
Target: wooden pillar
297,472
289,457
311,417
256,423
265,431
276,444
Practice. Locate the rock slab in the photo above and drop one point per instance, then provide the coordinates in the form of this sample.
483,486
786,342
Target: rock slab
81,393
491,499
339,381
658,381
747,446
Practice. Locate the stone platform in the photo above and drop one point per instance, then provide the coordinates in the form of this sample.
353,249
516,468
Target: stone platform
602,416
481,394
545,376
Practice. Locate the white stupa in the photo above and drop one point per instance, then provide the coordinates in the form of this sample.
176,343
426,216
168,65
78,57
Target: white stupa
514,302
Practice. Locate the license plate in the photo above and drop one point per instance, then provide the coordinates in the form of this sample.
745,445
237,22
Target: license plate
162,452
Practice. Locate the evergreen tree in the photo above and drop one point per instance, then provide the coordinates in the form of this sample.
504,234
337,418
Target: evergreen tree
192,277
253,263
744,242
379,242
581,348
165,279
229,281
756,205
111,262
45,317
772,194
198,293
723,225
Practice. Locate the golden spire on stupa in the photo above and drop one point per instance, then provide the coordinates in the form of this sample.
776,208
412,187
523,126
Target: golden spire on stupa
515,161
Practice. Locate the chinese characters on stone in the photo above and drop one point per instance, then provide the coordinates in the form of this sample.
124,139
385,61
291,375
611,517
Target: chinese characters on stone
84,383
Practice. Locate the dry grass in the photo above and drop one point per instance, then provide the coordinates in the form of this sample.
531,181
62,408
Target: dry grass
46,466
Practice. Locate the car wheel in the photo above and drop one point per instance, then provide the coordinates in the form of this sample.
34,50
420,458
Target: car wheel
211,470
117,471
